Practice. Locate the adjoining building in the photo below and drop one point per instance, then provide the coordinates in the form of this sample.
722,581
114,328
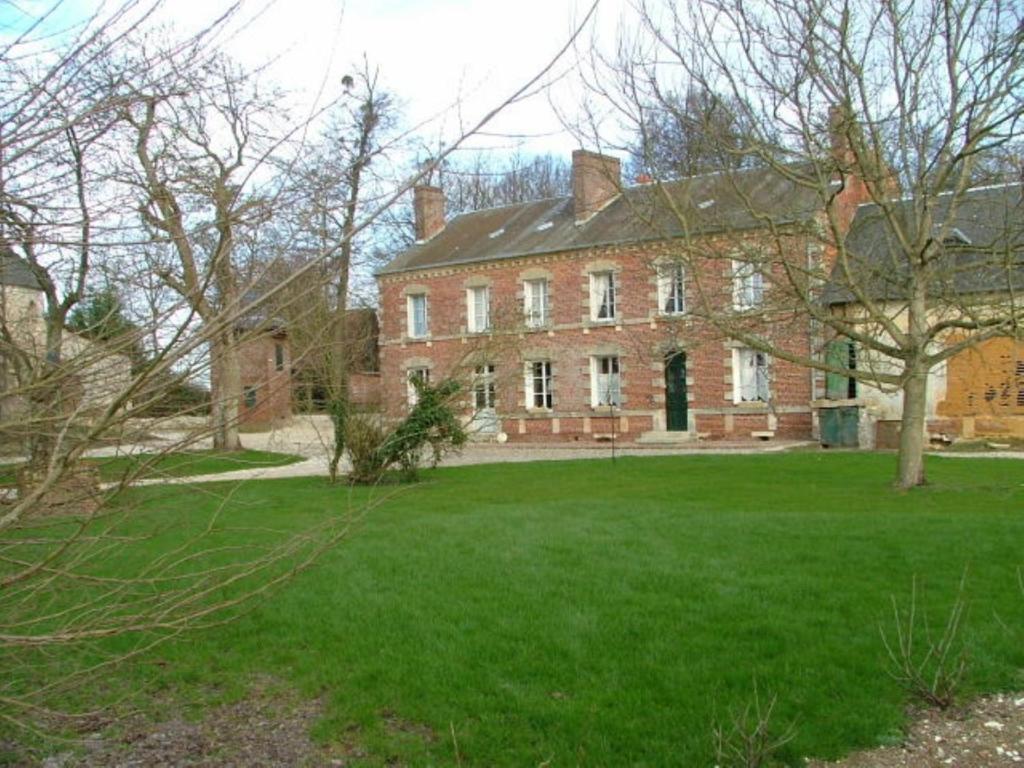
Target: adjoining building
978,276
95,376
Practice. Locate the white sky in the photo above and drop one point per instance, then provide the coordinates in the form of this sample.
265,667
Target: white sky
431,54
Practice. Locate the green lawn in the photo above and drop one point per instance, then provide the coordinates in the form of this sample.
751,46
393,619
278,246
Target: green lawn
590,613
177,464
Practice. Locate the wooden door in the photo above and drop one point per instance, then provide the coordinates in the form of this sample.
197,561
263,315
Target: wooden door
675,392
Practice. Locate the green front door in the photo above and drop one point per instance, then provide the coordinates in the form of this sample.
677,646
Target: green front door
675,392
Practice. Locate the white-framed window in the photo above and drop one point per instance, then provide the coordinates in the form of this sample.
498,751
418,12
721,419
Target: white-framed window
605,381
536,302
747,285
750,376
414,376
483,387
417,316
602,296
478,309
671,289
538,384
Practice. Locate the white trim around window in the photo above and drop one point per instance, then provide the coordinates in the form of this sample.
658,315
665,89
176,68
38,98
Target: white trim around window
536,302
671,289
603,296
751,376
417,316
605,381
484,390
412,374
538,384
478,309
747,285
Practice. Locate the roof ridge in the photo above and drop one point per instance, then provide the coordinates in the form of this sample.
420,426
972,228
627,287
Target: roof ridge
948,192
510,205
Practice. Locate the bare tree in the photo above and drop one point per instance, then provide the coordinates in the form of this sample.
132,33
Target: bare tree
145,157
898,105
684,134
199,136
483,182
339,179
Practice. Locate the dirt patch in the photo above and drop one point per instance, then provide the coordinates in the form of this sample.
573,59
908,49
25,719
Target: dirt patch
262,730
399,725
268,729
986,734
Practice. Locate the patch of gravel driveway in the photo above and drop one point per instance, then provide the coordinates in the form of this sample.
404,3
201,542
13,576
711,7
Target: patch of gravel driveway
989,733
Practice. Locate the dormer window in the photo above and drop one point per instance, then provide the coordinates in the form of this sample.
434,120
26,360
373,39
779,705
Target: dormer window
955,237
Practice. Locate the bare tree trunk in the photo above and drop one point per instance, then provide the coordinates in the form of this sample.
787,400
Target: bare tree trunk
912,428
225,387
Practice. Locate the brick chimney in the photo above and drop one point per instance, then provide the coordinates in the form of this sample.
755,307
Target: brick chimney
596,181
428,206
839,126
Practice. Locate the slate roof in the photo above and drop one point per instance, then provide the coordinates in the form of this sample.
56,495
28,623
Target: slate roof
15,271
708,203
984,251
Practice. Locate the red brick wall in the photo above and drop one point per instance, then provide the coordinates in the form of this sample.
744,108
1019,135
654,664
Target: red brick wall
259,371
640,338
364,390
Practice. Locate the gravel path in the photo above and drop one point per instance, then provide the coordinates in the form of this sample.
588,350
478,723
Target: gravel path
307,436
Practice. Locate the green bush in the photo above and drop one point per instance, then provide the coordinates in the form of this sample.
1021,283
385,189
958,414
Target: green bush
364,438
431,422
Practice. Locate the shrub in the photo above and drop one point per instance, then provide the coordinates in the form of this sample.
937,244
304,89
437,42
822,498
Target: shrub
749,739
431,423
926,666
364,438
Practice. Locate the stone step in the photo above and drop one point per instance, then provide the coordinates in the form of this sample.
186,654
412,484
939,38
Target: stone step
663,437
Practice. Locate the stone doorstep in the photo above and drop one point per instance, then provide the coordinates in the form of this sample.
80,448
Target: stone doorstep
763,435
665,437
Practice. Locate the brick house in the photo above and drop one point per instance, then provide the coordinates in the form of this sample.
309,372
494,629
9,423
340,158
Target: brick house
266,372
567,317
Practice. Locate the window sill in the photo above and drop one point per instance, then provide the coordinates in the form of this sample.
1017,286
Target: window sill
751,405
